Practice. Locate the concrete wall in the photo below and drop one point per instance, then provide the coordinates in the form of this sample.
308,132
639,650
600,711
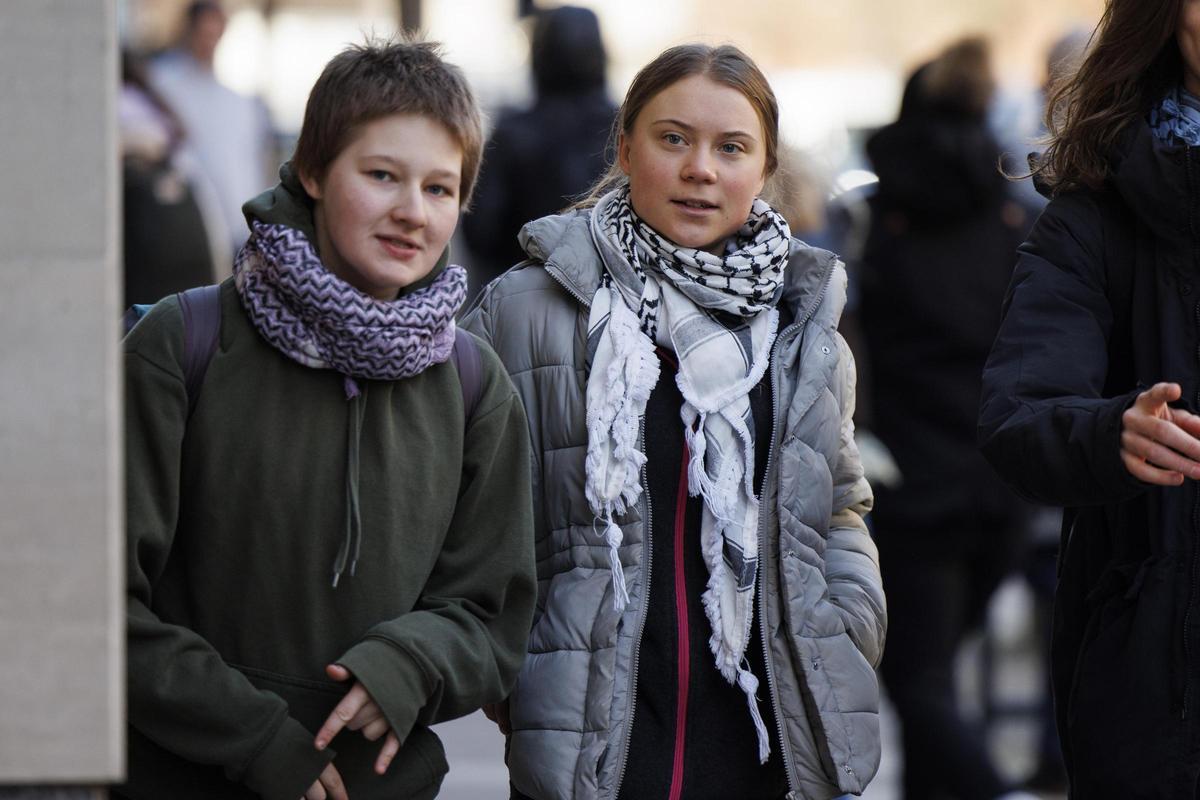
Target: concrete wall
61,607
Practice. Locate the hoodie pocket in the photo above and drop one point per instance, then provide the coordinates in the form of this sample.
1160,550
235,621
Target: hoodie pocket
838,686
416,771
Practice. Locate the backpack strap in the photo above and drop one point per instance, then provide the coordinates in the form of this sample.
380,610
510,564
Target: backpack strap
470,371
201,308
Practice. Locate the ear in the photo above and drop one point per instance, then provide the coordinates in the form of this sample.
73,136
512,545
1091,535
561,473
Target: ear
623,152
311,185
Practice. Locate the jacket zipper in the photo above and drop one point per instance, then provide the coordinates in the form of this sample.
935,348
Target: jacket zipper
789,766
683,624
1187,617
647,558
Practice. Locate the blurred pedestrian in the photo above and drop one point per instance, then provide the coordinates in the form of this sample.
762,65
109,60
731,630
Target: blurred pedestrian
332,537
677,353
171,228
1090,400
944,229
230,133
541,159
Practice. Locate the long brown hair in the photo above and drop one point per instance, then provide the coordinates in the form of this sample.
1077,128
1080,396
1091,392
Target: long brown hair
1132,62
725,65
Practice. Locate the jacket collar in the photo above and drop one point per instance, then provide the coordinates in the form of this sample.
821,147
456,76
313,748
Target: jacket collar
1151,176
564,244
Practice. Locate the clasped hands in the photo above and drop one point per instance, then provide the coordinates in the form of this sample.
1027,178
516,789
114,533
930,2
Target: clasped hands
358,712
1160,445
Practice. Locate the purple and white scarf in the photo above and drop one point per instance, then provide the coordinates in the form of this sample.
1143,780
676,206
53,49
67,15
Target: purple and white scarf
317,319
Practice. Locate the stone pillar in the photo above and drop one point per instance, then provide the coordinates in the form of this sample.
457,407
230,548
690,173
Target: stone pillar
61,542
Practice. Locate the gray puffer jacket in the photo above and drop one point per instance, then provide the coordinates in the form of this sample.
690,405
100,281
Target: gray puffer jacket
824,614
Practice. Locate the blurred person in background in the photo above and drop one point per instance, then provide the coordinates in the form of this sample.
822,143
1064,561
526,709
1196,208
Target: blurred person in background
171,225
944,230
710,608
230,133
539,160
330,549
1090,398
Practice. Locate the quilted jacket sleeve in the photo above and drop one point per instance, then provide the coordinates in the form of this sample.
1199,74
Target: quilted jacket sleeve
851,559
1044,423
483,320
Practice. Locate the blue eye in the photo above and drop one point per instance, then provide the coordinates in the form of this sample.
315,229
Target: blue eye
440,190
731,148
672,138
379,174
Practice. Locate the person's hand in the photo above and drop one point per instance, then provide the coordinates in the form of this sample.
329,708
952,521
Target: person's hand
498,713
1159,444
327,786
358,712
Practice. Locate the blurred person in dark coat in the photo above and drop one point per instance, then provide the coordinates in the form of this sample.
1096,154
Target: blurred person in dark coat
942,241
538,160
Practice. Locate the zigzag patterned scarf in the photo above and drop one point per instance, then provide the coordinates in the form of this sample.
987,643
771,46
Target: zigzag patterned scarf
317,319
717,314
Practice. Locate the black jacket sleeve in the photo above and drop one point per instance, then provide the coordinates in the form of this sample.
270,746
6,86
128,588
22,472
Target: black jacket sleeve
1045,423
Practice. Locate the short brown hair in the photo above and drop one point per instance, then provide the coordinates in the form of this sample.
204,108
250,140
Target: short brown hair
726,65
378,79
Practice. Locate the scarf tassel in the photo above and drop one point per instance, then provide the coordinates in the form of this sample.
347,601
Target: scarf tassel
614,536
749,684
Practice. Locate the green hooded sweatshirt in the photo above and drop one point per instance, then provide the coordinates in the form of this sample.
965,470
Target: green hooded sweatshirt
235,520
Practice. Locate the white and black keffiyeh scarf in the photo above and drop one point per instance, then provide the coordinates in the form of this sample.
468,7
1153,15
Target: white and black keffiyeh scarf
717,313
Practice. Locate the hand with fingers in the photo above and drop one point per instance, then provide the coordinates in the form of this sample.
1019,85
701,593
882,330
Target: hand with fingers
1159,444
327,786
358,711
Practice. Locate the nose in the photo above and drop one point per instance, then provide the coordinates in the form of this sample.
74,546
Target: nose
699,167
408,206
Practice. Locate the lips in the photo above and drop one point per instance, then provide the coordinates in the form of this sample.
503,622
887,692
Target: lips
695,204
399,246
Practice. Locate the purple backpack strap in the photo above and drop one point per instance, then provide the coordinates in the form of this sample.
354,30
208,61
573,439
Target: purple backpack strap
201,308
470,371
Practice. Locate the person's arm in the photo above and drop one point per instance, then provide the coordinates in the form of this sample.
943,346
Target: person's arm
181,694
464,641
851,558
1045,423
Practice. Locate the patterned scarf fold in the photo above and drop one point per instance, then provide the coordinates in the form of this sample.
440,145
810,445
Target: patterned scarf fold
717,314
1176,120
317,319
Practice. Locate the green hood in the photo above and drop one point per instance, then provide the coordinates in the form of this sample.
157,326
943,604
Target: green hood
288,204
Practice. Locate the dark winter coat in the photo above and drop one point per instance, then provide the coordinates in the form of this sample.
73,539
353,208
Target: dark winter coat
1103,303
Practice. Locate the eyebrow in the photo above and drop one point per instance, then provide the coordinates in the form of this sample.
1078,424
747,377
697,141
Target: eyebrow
388,159
678,123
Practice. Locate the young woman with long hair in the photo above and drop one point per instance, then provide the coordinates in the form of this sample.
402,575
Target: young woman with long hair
1090,396
709,609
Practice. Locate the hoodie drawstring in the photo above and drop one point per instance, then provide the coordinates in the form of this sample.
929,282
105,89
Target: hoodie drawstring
352,541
